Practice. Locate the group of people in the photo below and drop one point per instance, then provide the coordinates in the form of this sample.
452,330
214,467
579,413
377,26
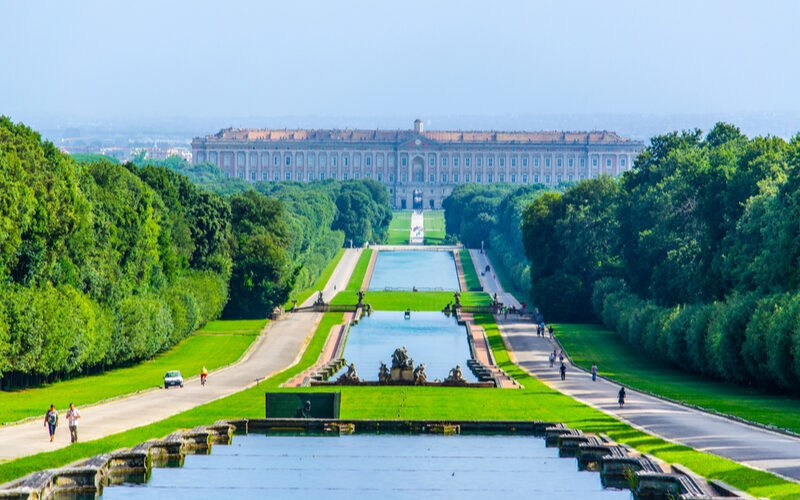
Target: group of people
621,395
51,422
542,330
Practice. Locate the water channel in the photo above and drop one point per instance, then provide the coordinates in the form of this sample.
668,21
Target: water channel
371,466
405,270
431,338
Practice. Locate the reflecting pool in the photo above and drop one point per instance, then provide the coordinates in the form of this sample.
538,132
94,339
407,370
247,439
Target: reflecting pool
405,270
383,467
431,338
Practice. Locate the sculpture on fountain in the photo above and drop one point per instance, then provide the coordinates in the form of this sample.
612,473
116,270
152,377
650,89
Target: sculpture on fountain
455,376
350,377
402,366
420,377
384,375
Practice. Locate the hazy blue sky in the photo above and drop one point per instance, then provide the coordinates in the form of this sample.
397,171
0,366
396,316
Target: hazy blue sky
379,58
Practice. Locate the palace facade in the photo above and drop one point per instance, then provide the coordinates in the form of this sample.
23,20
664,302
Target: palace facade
420,168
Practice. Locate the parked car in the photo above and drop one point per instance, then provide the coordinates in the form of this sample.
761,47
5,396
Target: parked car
173,377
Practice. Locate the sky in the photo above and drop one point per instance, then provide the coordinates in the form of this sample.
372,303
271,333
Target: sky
199,59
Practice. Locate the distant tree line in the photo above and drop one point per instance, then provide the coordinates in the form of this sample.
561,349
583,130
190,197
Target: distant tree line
692,255
103,265
492,214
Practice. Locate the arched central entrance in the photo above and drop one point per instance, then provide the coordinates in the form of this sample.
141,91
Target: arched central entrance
416,199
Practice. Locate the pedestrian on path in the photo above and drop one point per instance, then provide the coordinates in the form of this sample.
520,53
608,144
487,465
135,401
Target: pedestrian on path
552,359
51,421
594,372
72,419
621,396
561,356
563,371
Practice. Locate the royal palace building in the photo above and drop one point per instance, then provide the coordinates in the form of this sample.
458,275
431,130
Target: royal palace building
420,168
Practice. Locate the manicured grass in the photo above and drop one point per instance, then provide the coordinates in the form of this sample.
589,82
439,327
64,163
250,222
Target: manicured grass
434,227
357,278
536,401
319,284
618,360
220,343
505,279
416,301
470,276
399,228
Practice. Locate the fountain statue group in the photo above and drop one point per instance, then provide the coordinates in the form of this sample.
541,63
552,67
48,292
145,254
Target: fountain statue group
402,372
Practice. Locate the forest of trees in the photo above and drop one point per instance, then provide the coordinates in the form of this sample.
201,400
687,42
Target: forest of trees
693,256
103,265
492,214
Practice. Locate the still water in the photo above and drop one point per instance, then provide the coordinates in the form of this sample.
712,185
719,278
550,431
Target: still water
431,338
369,466
405,270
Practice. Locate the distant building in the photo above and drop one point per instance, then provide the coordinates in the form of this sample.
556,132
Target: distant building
420,168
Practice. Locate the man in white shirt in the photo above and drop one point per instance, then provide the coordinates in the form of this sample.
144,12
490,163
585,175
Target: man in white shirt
72,418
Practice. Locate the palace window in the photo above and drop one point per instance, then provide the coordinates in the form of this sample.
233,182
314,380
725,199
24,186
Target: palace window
594,162
524,178
344,176
583,162
368,161
404,161
490,162
547,179
310,176
570,162
241,174
226,160
288,160
502,177
391,177
547,162
558,179
322,176
345,160
480,161
514,178
288,176
333,162
570,177
455,161
513,161
489,177
333,175
404,178
477,177
299,176
432,161
466,161
622,162
380,177
466,177
525,161
356,176
455,178
444,161
502,161
252,176
277,177
558,162
608,162
536,179
536,162
431,179
444,178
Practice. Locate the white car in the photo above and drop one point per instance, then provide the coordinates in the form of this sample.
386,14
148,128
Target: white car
173,377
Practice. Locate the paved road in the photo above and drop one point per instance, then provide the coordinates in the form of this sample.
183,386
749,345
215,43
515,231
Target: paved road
489,281
746,444
278,347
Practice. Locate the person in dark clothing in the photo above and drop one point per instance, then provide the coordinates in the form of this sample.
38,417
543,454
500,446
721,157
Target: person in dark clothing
621,397
563,370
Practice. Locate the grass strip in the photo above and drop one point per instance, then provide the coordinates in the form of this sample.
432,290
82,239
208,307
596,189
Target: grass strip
618,360
320,282
357,278
505,278
470,275
416,301
433,221
220,343
399,228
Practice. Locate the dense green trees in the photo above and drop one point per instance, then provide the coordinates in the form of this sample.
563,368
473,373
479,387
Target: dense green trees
692,256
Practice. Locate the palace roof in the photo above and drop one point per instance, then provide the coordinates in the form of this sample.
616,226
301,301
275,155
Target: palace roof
440,136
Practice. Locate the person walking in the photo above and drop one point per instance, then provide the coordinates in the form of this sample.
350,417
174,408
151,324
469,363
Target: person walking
552,359
621,396
563,371
72,419
594,372
203,376
51,421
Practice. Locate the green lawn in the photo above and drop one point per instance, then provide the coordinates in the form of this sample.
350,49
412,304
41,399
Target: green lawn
218,344
536,401
319,284
470,275
416,301
357,278
616,359
434,227
399,228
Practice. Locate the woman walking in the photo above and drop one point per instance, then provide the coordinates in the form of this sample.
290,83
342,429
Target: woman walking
51,421
621,397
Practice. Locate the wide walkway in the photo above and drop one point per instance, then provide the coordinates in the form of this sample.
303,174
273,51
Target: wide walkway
746,444
279,346
417,235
